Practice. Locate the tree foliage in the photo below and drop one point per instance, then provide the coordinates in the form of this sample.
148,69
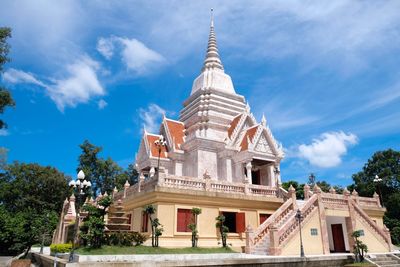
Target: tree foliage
193,225
385,164
31,197
5,95
223,229
156,226
104,174
92,230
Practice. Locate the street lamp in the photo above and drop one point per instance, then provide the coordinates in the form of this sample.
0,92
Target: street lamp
79,186
300,217
378,182
160,143
44,232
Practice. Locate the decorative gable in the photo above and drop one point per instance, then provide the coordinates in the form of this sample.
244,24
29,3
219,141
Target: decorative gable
263,146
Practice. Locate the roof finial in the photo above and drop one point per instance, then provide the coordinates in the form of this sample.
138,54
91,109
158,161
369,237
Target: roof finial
263,120
212,18
212,60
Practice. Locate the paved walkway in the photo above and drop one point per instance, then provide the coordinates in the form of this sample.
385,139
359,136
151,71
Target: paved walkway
4,260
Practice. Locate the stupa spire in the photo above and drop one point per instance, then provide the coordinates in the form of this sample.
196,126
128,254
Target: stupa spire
212,59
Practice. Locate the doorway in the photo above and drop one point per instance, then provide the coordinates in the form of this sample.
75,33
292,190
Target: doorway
338,238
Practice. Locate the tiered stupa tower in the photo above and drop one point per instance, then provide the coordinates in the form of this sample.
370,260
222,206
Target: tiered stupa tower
216,133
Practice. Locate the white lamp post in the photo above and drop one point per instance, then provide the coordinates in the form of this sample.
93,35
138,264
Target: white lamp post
378,182
79,186
300,217
160,143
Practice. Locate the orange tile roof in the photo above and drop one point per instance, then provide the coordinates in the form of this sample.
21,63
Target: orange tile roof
153,148
249,133
234,123
177,131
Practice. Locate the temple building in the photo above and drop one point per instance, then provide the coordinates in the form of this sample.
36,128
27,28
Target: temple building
218,157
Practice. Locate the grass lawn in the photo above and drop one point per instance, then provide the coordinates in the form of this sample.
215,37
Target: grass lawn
364,264
117,250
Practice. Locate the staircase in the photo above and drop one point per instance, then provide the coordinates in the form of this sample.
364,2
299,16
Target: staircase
385,260
117,220
272,235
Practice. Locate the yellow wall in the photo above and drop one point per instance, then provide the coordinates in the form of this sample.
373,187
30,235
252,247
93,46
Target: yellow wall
312,244
208,233
374,244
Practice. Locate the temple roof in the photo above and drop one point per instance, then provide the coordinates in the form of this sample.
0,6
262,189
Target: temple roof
233,125
248,136
176,129
151,138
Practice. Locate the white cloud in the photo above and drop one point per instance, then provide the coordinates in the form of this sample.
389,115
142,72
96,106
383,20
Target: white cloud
135,55
151,117
19,76
327,150
105,47
79,86
4,132
102,104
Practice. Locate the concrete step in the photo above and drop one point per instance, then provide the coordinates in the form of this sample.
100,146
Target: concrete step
387,262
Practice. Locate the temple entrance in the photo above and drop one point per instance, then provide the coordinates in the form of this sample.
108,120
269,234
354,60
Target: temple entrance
337,234
338,239
255,177
261,172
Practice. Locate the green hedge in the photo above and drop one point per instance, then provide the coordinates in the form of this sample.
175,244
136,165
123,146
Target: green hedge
60,248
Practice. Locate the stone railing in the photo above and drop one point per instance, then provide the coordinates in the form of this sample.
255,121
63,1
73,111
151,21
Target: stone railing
368,201
288,229
275,219
183,182
334,201
190,183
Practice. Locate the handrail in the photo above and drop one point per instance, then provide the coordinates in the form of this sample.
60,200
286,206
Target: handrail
370,223
275,218
287,229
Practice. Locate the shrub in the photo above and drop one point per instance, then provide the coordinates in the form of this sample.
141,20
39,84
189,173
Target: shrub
360,249
223,229
60,248
125,239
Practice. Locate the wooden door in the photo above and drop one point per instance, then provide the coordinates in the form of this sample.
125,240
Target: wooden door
338,238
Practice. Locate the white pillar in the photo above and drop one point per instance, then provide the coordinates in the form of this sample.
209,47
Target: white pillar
248,171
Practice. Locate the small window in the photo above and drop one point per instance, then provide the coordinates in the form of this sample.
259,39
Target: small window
362,233
314,231
263,217
184,218
145,222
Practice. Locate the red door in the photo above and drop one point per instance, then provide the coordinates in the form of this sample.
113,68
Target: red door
338,239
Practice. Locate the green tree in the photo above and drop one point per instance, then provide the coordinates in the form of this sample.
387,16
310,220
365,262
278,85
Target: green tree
385,164
6,99
89,163
299,188
156,227
92,230
30,194
104,174
360,249
223,229
193,226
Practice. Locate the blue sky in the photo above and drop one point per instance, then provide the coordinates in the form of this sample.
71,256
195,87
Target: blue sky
324,73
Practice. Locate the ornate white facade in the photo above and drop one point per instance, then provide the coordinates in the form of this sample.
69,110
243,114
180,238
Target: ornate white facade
216,134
